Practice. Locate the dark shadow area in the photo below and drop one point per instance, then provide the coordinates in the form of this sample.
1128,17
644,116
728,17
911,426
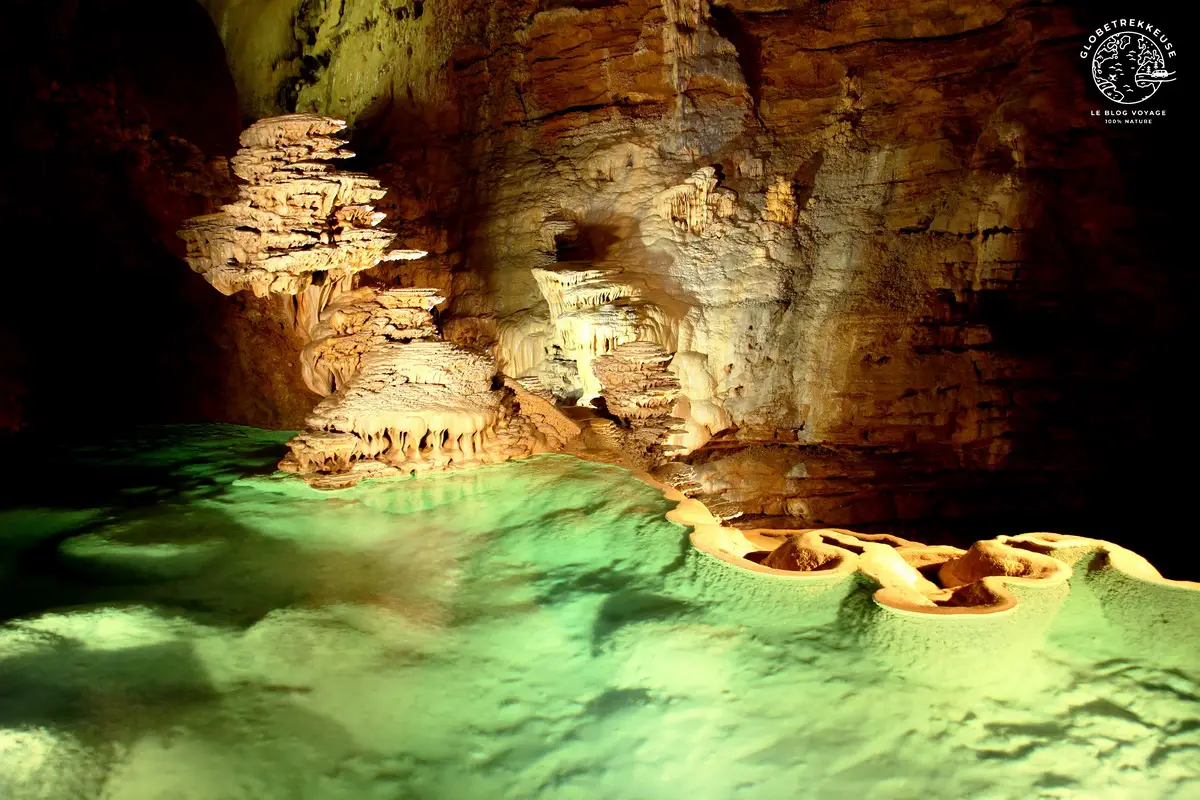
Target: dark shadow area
68,684
1108,310
628,606
116,106
588,243
106,468
733,27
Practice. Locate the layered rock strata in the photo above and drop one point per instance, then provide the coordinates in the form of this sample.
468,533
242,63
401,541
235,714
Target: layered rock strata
297,218
640,391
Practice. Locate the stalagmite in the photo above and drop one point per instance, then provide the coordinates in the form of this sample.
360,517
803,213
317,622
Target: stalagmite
781,202
418,405
590,313
412,407
358,321
639,390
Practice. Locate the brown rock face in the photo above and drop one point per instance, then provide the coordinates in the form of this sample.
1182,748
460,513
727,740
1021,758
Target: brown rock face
900,271
889,250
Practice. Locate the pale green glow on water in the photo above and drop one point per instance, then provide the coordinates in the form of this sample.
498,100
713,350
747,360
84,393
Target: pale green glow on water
205,629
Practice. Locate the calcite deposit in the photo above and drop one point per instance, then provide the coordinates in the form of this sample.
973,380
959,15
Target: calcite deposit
641,393
397,398
888,233
590,312
297,218
871,231
412,407
991,576
400,400
358,321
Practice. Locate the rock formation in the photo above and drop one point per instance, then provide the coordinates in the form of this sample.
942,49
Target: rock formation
590,313
638,390
873,228
297,218
398,399
359,320
412,407
991,576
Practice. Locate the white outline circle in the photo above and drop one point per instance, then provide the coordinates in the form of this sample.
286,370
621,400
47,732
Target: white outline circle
1153,44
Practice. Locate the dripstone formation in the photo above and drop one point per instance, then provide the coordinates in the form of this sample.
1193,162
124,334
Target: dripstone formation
297,218
412,406
588,312
640,392
397,398
358,321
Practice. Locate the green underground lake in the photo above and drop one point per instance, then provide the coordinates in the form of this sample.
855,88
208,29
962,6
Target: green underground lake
182,622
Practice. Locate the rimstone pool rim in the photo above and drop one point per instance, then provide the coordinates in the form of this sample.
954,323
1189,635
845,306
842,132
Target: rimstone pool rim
973,582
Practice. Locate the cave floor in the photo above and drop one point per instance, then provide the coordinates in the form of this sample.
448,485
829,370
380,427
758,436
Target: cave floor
181,621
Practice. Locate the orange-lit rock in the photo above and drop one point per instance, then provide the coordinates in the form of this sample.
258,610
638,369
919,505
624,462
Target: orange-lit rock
885,231
638,390
990,577
296,217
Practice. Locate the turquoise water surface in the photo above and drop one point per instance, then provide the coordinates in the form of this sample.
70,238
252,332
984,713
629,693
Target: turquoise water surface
183,622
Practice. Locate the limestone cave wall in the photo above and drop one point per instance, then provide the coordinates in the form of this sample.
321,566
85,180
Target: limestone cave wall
924,281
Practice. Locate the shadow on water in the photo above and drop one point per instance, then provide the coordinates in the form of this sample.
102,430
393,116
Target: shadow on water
631,606
252,575
64,683
118,558
134,467
86,706
173,624
144,485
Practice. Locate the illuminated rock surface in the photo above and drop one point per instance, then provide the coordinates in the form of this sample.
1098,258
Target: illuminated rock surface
413,407
875,229
397,399
400,400
990,577
296,216
536,628
638,390
358,320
